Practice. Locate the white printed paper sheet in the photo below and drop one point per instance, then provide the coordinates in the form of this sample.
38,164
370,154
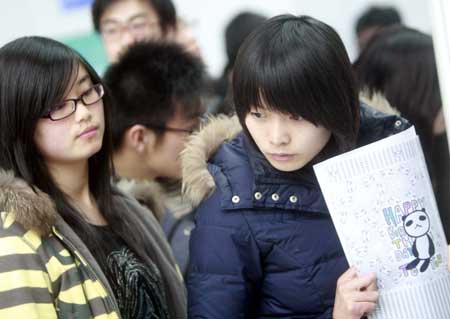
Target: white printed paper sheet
382,205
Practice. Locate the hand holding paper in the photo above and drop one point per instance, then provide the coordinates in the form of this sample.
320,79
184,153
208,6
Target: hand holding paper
355,295
382,205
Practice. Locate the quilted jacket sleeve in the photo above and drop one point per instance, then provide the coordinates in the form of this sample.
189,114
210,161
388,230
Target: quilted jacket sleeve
225,265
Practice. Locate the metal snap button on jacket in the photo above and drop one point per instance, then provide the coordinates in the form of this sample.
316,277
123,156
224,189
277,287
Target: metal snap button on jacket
293,199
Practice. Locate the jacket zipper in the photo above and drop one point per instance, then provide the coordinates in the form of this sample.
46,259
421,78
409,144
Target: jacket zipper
91,273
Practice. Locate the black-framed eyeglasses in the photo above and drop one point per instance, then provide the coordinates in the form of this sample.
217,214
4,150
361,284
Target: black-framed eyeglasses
139,26
69,106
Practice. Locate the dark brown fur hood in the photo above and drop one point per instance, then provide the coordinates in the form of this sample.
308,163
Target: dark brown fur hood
32,208
35,210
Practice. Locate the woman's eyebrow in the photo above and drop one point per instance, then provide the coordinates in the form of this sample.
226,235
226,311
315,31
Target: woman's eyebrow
85,78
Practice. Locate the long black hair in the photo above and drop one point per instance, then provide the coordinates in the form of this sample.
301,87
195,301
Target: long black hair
298,65
35,73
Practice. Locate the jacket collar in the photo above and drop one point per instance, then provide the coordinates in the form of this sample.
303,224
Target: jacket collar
247,180
254,182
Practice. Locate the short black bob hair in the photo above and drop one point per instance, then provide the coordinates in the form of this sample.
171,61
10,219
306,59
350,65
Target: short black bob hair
165,10
299,66
150,83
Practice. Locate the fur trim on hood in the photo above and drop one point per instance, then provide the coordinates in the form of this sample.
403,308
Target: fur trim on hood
197,181
35,210
148,193
32,208
378,101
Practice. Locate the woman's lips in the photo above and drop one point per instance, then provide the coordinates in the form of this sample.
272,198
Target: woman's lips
281,157
88,133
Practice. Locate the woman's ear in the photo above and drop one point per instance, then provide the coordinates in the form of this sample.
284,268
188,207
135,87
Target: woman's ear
140,138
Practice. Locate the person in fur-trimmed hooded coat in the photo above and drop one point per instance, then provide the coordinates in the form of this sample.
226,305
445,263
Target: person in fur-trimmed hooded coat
264,245
71,244
263,242
48,258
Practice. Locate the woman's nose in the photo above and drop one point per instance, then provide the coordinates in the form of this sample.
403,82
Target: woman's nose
279,133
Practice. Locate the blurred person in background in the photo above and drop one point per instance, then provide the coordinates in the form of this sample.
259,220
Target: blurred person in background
156,89
399,63
373,20
123,22
235,33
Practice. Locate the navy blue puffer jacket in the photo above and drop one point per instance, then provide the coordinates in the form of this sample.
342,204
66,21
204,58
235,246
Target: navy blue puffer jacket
264,245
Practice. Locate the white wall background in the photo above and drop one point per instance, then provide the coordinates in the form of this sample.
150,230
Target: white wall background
208,19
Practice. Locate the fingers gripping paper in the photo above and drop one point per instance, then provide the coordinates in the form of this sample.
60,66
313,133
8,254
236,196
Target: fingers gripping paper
382,205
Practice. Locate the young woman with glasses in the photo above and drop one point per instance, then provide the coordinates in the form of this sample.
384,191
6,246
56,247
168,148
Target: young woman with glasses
71,245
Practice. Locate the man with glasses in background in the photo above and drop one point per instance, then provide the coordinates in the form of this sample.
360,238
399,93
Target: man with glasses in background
123,22
156,89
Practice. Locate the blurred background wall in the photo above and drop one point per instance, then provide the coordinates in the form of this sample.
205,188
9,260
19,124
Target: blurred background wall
70,21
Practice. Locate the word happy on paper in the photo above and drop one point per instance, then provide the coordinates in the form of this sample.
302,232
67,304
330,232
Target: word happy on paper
401,241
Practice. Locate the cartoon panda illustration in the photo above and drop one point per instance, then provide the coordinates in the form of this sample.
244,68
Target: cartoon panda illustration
417,226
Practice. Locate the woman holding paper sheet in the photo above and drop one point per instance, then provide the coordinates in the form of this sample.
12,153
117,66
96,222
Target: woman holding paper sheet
264,245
